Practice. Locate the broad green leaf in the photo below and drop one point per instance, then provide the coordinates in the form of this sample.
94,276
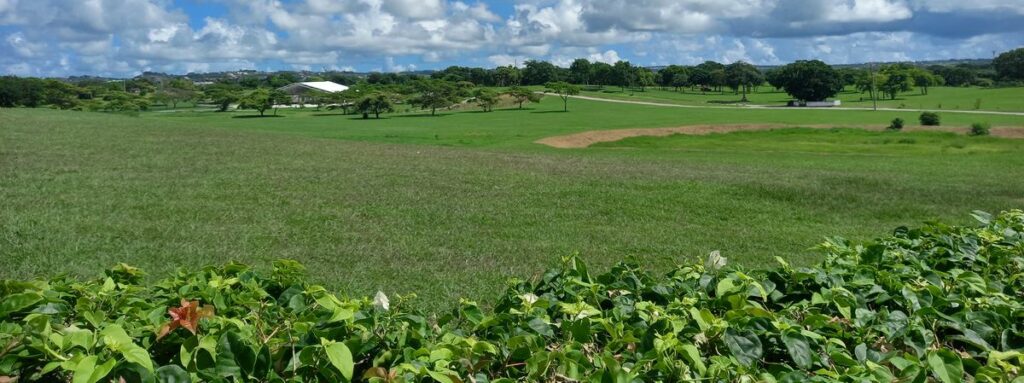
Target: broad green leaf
17,302
341,358
744,345
88,371
541,327
441,378
115,337
946,366
172,374
799,349
692,355
138,355
83,372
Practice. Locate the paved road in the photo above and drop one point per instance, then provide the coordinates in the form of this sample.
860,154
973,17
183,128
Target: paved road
650,103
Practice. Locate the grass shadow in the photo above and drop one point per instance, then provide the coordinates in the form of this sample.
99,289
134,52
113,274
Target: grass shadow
256,116
423,115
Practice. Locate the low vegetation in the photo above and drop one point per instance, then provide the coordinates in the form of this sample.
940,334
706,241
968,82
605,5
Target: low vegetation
980,129
930,119
940,303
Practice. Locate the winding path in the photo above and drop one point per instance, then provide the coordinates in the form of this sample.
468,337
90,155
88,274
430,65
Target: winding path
652,103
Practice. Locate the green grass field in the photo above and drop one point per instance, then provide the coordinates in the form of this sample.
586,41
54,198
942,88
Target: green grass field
454,205
938,98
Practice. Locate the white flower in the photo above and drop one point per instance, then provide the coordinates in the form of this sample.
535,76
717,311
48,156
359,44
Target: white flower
381,302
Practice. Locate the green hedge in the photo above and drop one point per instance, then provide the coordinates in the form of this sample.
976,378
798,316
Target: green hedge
935,304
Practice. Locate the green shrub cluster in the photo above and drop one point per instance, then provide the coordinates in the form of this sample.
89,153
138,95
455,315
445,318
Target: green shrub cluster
935,304
897,124
930,119
980,129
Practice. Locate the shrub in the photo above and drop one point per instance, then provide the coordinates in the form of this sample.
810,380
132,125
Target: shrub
897,124
941,301
980,129
929,119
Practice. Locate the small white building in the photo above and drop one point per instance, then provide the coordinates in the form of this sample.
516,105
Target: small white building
301,91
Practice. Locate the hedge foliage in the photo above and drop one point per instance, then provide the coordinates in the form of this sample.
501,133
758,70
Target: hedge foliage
935,304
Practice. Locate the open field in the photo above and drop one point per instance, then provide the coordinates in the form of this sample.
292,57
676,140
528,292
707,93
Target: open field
938,98
454,205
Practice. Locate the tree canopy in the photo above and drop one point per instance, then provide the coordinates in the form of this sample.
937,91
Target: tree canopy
1010,65
810,80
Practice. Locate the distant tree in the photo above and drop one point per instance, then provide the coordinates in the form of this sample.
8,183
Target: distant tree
601,73
223,96
718,79
742,76
623,74
924,79
507,75
173,96
259,100
485,98
521,95
579,71
374,103
1010,65
868,82
849,75
279,97
537,72
899,79
60,94
775,78
434,94
342,100
954,75
710,75
564,90
810,80
674,76
644,78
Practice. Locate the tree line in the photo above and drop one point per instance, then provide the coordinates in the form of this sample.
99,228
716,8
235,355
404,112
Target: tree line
807,80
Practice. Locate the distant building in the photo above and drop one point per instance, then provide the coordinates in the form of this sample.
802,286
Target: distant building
301,92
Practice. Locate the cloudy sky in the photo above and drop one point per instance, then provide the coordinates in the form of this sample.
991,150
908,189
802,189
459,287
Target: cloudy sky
125,37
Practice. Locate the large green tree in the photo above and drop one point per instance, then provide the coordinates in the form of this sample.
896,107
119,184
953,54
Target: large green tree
434,94
623,74
811,80
579,71
537,72
1010,65
375,103
521,95
741,76
899,78
674,76
485,98
259,100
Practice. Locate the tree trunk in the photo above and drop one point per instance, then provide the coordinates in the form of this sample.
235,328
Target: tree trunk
565,103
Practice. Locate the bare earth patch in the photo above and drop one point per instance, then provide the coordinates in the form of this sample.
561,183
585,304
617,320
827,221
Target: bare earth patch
585,139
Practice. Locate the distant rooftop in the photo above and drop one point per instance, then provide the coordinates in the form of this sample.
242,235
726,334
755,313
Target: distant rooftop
325,86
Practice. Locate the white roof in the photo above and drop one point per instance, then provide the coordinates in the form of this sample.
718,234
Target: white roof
325,86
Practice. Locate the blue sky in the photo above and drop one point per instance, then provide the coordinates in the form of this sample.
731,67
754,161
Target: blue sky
126,37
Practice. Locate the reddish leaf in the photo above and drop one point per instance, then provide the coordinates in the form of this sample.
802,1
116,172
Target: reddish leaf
187,316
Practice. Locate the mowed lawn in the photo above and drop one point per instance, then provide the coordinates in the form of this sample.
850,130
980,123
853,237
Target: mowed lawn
938,98
453,206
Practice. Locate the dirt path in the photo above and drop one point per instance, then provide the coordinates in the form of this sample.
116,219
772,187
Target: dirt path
585,139
651,103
